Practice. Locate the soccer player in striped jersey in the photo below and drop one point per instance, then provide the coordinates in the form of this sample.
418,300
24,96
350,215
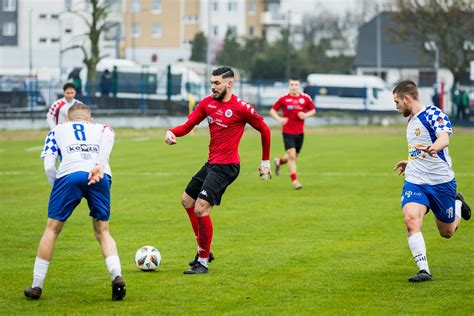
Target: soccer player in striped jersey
227,116
84,172
296,107
57,112
429,177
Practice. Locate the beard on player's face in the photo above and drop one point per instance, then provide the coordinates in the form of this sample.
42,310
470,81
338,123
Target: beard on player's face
219,96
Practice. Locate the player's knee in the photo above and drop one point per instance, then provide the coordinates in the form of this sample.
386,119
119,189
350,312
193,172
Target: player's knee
413,225
447,233
201,208
187,201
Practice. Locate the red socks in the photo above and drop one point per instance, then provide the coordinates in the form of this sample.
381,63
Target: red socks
293,177
194,221
283,161
204,236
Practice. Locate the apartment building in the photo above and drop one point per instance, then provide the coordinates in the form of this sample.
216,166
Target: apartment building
161,31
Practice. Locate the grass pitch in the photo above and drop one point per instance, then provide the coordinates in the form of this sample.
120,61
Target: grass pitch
338,246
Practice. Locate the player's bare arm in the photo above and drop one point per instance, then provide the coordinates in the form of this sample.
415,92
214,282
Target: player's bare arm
441,142
400,166
281,120
304,115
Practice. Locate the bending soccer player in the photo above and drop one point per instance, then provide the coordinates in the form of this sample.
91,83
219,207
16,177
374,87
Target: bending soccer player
429,177
296,107
84,172
227,116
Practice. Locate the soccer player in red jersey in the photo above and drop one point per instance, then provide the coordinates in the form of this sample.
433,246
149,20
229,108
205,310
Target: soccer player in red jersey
296,107
227,116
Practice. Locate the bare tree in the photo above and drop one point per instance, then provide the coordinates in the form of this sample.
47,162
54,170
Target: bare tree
449,24
95,17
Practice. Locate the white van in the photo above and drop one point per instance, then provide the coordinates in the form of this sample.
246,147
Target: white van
349,92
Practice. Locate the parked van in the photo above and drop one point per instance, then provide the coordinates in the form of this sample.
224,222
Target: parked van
349,92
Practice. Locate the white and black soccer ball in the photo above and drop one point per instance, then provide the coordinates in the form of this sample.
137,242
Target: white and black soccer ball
148,258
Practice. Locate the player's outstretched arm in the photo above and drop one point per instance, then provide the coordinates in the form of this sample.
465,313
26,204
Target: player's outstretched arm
441,142
401,166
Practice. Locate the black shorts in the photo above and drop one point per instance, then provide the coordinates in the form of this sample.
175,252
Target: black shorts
293,141
210,182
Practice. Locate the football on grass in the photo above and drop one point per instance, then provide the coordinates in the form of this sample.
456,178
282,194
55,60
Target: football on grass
148,258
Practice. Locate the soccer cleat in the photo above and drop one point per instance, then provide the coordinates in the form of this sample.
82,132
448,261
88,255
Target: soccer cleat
197,268
465,208
297,185
33,292
276,161
421,276
118,289
193,262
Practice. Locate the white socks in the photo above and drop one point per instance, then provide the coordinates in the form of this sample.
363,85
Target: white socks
457,209
204,261
39,272
113,265
418,250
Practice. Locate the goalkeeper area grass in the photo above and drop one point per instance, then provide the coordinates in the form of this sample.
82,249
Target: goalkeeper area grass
337,246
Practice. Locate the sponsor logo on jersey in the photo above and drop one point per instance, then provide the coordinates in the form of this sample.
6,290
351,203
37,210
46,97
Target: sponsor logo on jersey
228,113
413,152
408,194
291,107
88,148
210,120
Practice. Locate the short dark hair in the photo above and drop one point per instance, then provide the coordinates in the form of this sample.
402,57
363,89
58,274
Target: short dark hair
294,78
225,72
68,85
406,87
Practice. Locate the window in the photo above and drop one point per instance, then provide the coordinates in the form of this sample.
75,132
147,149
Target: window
156,30
343,92
232,6
9,5
43,40
42,16
54,16
252,31
215,6
215,30
9,29
54,40
68,5
135,5
156,6
252,8
68,30
135,30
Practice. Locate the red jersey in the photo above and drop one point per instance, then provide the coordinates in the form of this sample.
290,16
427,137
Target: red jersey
227,122
290,106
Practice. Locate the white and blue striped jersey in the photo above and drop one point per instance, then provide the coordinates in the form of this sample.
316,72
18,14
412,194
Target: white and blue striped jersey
80,146
421,131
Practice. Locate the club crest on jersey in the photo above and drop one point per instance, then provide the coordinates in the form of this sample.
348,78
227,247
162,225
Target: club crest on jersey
228,113
301,100
417,132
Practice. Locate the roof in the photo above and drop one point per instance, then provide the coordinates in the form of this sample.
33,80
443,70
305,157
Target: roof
394,54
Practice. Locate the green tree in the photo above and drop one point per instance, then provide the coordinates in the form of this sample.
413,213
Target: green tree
447,23
95,17
199,48
231,52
